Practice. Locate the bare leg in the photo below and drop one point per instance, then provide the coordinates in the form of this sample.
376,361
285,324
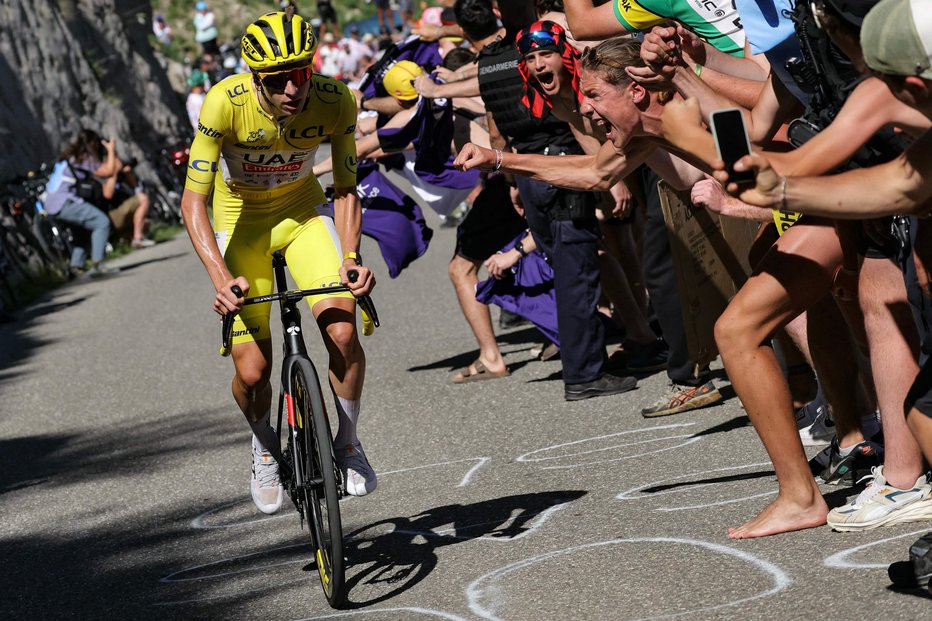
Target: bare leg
336,318
921,427
795,346
139,216
835,358
894,347
793,275
464,275
252,390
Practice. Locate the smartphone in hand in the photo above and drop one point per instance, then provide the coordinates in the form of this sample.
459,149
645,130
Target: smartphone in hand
731,141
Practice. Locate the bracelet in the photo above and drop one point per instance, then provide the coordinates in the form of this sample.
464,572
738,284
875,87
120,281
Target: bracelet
354,256
498,159
783,195
362,102
519,246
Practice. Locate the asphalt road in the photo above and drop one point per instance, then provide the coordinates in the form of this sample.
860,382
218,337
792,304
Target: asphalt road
124,471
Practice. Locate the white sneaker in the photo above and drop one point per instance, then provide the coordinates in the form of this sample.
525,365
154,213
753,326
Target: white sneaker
358,475
265,485
814,429
881,504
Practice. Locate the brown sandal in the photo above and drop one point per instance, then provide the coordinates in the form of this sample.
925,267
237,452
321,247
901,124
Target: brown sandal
464,375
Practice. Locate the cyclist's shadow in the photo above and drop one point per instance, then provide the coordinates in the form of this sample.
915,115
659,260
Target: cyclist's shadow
400,552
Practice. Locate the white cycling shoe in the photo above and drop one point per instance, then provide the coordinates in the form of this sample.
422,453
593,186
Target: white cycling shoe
265,484
358,475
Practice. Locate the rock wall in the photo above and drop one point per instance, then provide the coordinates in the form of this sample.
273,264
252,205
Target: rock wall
68,64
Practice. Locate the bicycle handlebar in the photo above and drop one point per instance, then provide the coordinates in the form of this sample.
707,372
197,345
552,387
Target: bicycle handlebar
369,313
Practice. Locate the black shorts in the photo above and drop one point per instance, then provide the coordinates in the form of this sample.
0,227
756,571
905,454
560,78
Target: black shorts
490,224
920,393
326,13
382,4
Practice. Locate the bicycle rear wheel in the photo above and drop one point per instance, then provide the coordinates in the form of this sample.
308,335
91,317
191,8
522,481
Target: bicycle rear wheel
319,497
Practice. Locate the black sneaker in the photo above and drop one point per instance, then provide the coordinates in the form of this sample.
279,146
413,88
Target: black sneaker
607,384
917,571
830,467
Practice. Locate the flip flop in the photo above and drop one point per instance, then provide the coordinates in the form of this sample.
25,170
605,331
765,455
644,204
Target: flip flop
464,376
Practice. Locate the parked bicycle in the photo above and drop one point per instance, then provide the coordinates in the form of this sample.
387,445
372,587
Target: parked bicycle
309,472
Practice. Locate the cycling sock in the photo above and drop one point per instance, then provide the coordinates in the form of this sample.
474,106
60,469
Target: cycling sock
265,436
347,415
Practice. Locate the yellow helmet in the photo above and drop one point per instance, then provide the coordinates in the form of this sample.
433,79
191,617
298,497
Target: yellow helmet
276,43
397,80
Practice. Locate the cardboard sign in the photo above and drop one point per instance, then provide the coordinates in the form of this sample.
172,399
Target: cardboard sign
710,255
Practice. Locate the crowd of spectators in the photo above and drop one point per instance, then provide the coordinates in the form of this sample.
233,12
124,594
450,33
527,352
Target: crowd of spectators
566,114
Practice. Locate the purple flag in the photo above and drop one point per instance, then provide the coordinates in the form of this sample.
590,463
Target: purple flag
425,54
526,290
391,218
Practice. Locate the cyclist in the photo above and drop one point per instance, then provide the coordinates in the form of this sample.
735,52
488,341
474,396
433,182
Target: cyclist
254,148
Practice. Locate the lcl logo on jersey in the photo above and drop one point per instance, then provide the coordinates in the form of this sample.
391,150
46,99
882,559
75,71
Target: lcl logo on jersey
237,91
311,131
204,166
327,92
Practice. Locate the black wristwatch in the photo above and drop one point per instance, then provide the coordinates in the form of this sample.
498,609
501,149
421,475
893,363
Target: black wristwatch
520,248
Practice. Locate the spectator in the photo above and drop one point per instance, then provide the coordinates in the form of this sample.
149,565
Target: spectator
386,16
126,207
328,18
195,100
205,28
63,202
162,31
329,53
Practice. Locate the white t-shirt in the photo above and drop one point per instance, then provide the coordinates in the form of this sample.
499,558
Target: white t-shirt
193,105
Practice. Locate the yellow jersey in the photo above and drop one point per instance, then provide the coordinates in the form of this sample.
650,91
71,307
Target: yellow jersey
245,155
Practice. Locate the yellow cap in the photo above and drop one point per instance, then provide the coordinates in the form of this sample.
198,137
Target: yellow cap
398,80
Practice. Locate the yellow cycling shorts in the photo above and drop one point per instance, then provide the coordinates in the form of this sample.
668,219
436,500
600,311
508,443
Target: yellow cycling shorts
247,237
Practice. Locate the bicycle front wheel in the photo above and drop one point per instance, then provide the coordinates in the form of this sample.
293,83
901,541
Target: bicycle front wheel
319,497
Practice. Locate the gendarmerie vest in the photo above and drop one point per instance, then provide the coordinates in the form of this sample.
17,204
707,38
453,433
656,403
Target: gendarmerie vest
502,87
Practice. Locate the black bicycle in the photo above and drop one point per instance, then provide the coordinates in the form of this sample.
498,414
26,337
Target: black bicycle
309,473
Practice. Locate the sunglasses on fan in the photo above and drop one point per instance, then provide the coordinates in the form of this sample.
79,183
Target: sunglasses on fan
536,39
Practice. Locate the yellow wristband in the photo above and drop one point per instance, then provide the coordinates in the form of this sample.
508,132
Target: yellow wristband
354,256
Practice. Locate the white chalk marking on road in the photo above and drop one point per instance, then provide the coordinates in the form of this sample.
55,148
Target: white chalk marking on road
527,456
614,459
200,521
839,560
632,494
468,477
200,524
171,577
476,591
440,614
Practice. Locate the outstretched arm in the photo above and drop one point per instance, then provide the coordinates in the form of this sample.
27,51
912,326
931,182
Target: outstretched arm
591,173
592,22
903,185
